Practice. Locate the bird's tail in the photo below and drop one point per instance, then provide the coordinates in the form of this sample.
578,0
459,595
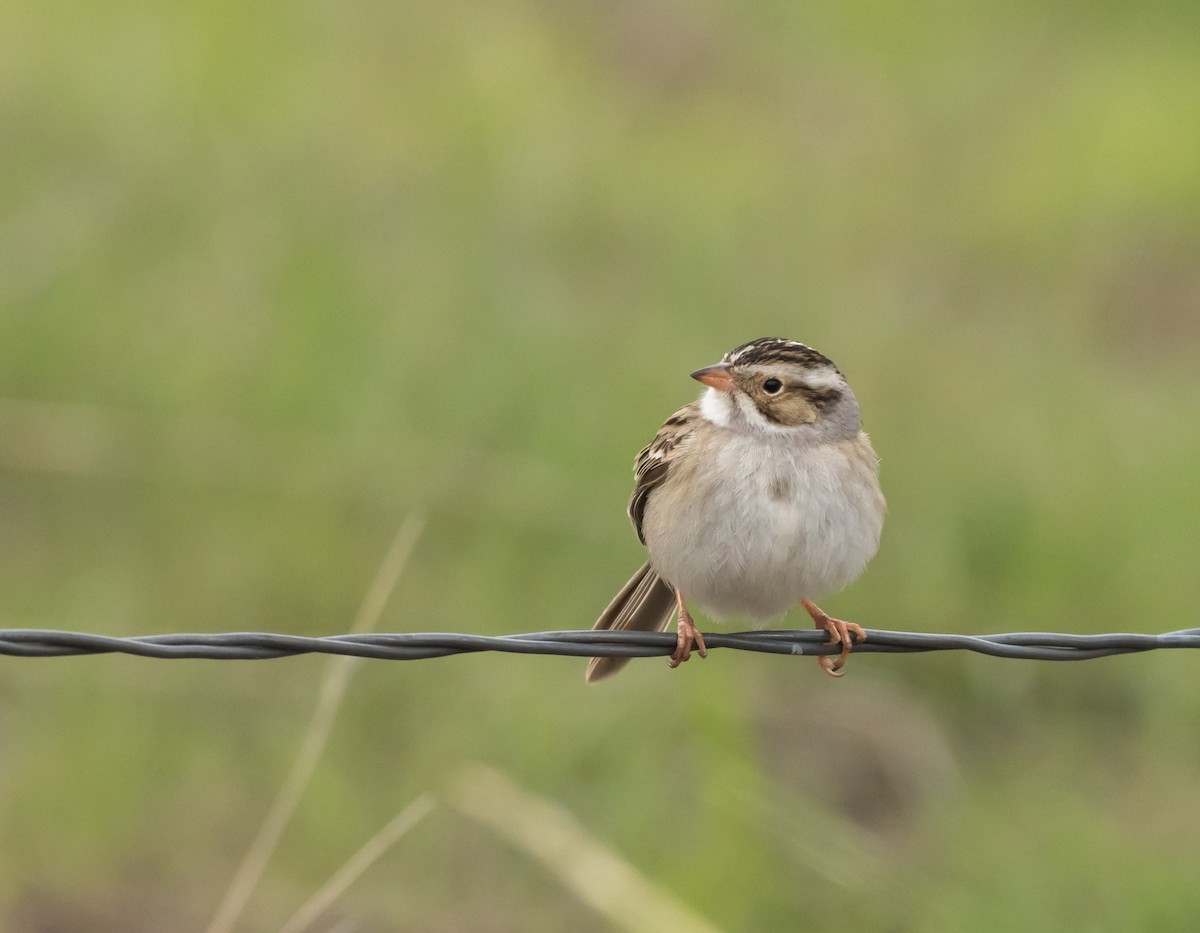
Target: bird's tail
645,604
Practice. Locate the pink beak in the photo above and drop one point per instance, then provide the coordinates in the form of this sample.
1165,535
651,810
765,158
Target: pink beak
716,377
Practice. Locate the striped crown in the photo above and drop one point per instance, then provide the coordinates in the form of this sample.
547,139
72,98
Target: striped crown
777,350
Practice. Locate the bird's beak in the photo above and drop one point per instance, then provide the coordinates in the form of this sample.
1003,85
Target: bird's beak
716,377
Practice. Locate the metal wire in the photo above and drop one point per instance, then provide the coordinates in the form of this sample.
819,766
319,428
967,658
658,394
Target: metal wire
254,646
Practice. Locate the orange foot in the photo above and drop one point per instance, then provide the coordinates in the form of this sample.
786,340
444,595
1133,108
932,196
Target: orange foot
839,634
686,634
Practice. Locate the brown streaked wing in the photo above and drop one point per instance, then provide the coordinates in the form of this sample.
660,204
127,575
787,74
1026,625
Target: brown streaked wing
654,461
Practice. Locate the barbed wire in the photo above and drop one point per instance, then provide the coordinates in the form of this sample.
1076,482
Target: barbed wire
255,646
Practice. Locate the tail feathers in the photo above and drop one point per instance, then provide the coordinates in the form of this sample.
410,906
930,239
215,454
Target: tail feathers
645,604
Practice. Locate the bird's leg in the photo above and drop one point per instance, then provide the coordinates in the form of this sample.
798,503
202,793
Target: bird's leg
685,634
839,633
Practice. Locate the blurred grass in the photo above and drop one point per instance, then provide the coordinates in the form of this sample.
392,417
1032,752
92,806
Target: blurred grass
273,277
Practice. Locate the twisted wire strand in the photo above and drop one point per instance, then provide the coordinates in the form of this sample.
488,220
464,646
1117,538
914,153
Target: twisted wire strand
255,646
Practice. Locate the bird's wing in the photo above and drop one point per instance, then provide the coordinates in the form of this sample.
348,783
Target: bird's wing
654,462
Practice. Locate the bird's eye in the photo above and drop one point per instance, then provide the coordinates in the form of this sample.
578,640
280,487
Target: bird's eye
771,386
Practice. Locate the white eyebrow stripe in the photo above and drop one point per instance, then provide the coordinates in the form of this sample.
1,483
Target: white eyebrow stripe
822,379
819,378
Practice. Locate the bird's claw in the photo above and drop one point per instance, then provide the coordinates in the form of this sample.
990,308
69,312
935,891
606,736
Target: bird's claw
686,634
846,634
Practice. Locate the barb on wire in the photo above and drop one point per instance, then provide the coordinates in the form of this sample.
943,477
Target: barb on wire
253,646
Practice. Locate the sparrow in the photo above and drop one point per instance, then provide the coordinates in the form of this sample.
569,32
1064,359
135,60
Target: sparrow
761,494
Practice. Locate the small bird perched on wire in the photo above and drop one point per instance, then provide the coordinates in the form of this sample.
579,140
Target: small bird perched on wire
761,494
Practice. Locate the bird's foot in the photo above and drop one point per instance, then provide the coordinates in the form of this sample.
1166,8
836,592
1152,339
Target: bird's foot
686,634
839,634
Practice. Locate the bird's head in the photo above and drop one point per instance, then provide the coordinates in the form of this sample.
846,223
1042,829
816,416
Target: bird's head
776,385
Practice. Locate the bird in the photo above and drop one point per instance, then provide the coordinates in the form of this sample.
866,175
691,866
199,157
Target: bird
760,495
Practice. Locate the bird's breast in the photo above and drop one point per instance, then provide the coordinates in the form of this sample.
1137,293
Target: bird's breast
750,527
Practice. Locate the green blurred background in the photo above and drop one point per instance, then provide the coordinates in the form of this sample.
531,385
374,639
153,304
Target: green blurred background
274,277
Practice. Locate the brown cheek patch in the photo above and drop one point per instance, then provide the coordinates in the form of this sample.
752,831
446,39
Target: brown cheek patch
787,411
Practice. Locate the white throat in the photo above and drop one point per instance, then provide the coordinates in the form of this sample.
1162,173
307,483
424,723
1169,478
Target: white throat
714,406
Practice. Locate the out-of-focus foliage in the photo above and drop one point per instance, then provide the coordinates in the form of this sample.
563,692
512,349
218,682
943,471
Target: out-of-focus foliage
273,276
